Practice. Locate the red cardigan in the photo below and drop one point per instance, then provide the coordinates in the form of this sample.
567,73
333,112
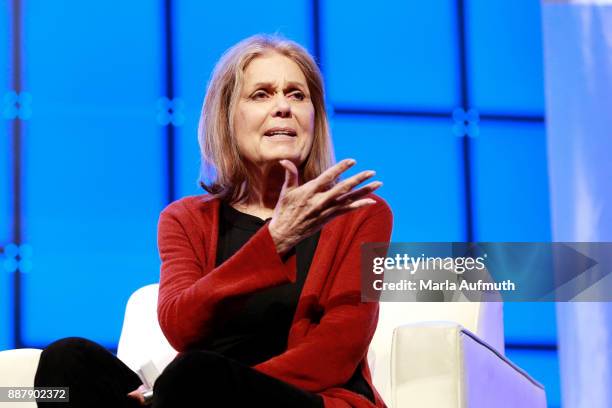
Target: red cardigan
331,329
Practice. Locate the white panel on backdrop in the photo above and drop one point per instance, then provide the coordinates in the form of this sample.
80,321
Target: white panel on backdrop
578,69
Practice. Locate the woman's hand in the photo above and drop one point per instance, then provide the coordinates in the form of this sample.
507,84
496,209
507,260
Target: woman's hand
303,210
137,394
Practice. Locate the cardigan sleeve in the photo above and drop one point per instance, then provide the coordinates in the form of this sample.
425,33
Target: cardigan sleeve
329,353
189,292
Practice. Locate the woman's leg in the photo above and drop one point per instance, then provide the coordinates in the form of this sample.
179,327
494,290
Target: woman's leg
207,379
95,377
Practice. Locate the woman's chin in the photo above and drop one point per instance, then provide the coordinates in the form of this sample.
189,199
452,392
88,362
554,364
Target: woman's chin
281,154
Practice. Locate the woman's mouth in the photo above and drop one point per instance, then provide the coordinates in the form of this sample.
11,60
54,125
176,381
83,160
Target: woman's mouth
281,132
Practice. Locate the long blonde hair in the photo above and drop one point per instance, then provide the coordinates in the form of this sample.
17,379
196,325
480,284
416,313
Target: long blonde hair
222,165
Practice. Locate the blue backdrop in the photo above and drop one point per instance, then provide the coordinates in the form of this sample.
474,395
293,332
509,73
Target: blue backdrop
100,110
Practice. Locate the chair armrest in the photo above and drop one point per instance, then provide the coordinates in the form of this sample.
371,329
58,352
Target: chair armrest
17,369
442,365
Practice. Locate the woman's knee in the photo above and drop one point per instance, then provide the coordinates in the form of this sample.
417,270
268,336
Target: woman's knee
72,356
70,350
69,344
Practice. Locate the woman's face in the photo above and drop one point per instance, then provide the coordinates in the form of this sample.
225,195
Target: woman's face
274,116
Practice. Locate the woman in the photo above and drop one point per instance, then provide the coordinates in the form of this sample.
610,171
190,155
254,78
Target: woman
260,281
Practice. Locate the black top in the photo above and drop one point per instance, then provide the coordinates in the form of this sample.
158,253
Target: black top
255,327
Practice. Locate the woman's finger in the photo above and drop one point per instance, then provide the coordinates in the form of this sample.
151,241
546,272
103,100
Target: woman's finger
339,209
345,186
324,179
360,192
291,175
137,395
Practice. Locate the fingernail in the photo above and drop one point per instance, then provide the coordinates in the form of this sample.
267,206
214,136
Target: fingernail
350,162
370,173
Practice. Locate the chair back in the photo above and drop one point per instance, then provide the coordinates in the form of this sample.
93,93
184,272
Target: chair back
142,340
485,319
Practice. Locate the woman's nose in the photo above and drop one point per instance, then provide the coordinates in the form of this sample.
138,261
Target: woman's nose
282,107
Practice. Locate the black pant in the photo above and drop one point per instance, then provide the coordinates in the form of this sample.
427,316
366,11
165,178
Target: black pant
194,379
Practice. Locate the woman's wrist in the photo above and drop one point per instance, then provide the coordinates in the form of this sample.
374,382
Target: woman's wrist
280,242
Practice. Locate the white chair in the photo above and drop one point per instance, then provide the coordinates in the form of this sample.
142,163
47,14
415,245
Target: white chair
442,355
17,369
142,340
447,355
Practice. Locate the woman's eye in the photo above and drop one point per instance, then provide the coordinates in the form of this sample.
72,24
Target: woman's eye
298,95
259,95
